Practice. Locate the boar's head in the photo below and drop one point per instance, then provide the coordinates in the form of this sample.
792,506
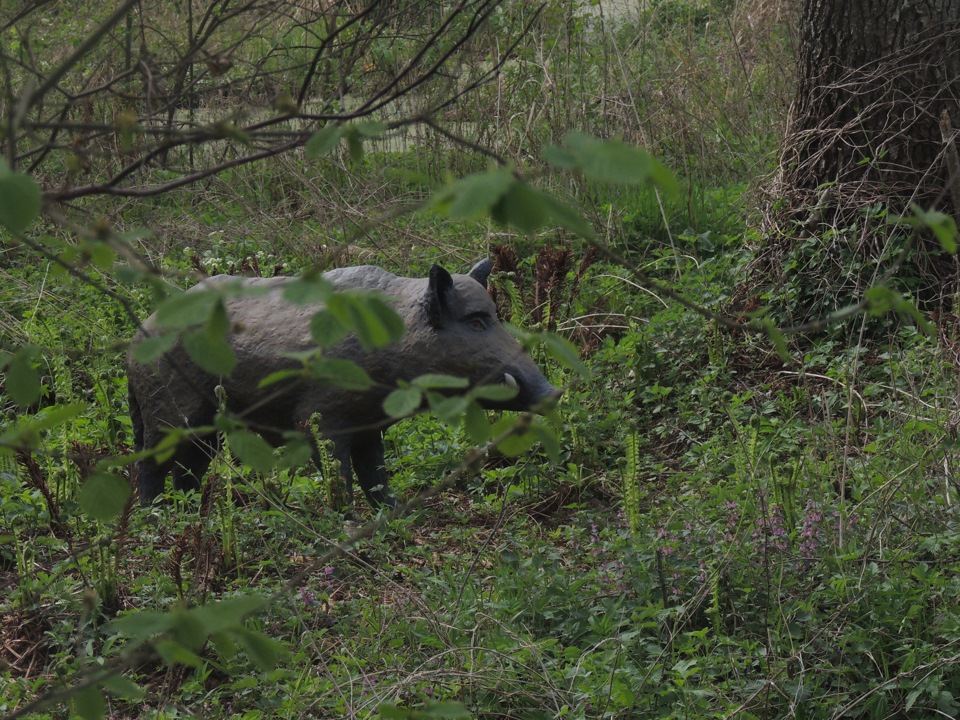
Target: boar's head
471,342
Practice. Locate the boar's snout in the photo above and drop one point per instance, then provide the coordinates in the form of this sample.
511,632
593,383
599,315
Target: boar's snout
533,393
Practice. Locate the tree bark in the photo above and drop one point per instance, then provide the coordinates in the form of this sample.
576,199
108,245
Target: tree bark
877,82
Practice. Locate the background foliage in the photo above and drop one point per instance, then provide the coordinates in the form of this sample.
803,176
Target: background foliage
723,529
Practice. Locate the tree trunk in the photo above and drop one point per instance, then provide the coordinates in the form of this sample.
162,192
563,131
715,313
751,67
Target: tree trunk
878,90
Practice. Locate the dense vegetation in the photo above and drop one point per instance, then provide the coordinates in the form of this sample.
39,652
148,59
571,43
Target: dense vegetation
729,523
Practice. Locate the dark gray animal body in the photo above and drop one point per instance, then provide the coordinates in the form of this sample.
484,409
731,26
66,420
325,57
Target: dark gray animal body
450,327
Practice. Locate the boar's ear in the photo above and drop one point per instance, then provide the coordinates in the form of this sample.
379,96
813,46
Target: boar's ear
481,271
439,294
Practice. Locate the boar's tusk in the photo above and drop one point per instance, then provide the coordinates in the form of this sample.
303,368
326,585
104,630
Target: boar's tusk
510,381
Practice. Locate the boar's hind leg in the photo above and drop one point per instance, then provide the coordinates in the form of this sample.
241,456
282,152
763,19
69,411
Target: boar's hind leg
366,450
191,460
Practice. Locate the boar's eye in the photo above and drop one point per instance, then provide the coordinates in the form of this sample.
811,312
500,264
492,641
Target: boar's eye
476,321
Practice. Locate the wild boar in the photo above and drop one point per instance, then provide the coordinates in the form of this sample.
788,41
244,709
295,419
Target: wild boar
450,327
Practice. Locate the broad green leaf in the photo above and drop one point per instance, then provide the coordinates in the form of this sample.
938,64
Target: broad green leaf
308,289
211,351
375,323
476,424
296,452
326,329
517,443
370,128
252,450
548,438
559,158
777,337
141,625
612,161
944,227
27,429
228,613
279,376
434,381
324,141
187,630
225,647
402,402
123,688
262,651
152,348
187,309
89,703
173,653
564,352
23,378
20,200
473,195
354,144
340,373
521,206
567,217
449,409
496,393
390,324
104,496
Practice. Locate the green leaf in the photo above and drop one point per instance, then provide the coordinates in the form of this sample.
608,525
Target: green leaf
370,128
228,613
152,348
141,625
23,378
354,145
449,409
308,289
474,195
565,353
324,141
520,441
435,381
944,227
612,161
173,653
340,373
187,309
521,206
252,450
403,401
104,496
778,339
296,452
26,431
279,376
20,200
568,217
496,393
121,687
89,703
262,651
326,329
210,351
476,424
375,323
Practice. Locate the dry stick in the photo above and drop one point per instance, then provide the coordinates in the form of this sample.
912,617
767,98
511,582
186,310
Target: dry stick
85,47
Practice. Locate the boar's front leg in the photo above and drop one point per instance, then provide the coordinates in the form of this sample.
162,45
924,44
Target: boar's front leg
366,451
